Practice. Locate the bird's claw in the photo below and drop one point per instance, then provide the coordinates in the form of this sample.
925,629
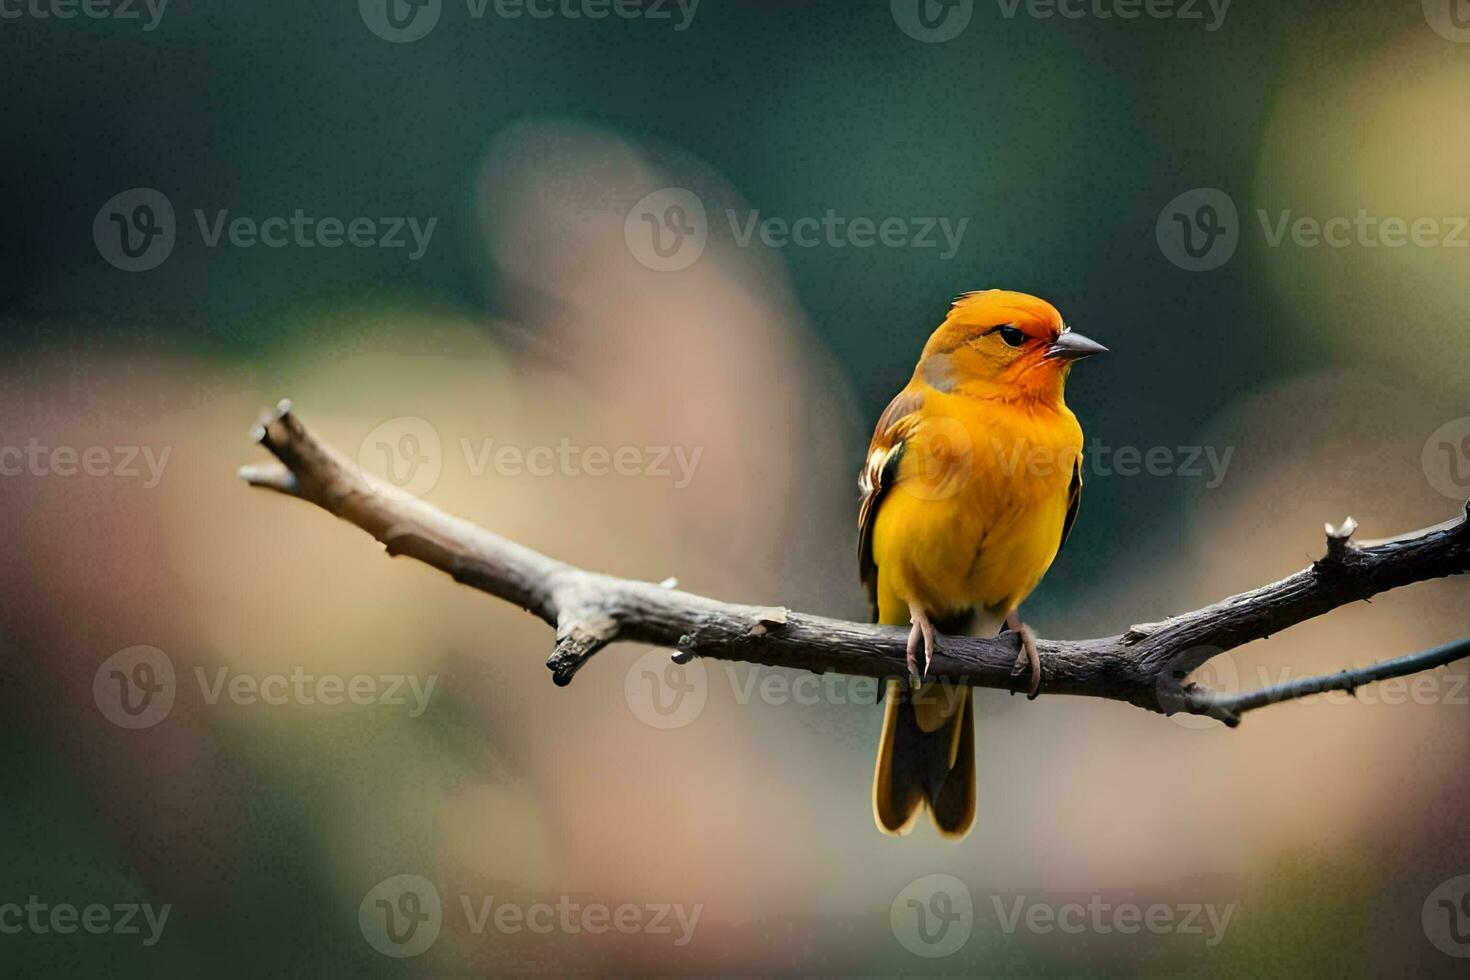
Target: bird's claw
911,656
1027,655
922,630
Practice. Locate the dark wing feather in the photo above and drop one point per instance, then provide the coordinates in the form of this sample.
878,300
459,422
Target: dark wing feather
880,470
1074,501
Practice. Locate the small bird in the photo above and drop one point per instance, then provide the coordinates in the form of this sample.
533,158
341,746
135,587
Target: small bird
971,485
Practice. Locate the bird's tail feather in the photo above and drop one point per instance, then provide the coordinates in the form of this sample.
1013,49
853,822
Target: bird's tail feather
926,757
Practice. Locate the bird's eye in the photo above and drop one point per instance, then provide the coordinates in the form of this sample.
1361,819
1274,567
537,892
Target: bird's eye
1012,336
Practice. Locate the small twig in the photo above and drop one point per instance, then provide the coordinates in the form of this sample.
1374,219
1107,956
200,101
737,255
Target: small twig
1344,680
1146,666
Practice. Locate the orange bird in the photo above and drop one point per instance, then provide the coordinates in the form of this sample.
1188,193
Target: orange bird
971,485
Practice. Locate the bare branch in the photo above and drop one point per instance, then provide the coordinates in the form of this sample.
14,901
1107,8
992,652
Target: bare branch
1146,666
1345,680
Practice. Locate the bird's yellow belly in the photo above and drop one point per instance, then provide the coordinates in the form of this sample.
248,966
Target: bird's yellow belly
975,530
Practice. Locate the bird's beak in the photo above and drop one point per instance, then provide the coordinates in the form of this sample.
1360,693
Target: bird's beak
1071,346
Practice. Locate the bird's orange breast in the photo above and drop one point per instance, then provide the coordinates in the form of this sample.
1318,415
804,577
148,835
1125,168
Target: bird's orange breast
976,515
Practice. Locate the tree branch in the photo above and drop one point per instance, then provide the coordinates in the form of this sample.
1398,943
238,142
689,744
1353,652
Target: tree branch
1146,666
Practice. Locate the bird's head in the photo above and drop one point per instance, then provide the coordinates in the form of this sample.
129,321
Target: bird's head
1001,343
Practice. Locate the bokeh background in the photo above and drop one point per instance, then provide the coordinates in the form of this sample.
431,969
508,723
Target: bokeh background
1334,377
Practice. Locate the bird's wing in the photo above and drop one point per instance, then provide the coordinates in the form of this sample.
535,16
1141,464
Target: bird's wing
879,474
1074,500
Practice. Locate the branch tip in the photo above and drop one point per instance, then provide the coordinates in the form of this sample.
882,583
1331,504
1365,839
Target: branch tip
1339,538
577,639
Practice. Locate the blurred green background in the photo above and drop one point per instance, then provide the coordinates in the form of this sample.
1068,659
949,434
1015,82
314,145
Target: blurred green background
1330,374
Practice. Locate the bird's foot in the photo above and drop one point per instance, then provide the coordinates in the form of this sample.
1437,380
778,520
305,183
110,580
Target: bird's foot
1028,653
922,629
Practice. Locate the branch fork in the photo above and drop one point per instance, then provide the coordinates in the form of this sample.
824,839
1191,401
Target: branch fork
1147,666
